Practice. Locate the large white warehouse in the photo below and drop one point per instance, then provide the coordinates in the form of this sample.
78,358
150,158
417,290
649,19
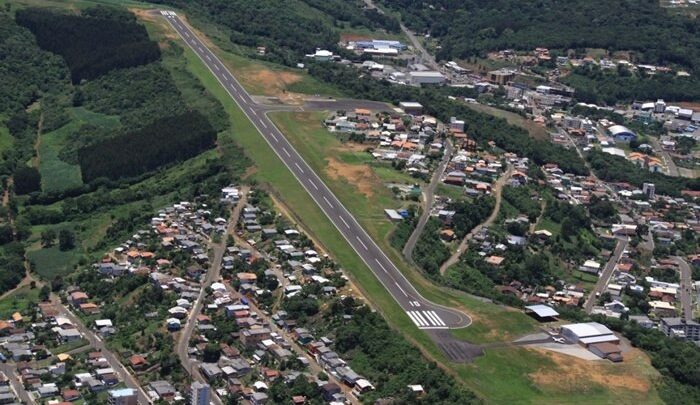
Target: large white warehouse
588,333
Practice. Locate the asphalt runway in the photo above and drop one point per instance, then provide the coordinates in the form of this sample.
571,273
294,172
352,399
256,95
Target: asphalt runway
426,315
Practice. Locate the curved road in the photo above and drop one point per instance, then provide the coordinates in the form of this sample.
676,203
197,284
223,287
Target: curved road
425,315
496,209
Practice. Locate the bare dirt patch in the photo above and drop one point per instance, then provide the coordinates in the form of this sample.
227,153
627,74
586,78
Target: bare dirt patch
354,37
688,104
353,147
271,83
148,16
361,176
572,373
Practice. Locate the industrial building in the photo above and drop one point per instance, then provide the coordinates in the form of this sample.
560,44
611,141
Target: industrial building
427,77
622,133
411,107
588,333
542,313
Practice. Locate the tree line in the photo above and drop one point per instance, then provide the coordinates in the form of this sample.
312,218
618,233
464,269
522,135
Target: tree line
474,27
164,141
618,169
91,44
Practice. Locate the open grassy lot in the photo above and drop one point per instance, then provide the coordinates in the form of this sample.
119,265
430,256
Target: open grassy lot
347,173
535,131
56,174
19,300
52,262
528,376
6,139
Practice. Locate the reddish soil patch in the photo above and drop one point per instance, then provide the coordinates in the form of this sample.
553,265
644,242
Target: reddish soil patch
361,176
354,37
688,104
572,373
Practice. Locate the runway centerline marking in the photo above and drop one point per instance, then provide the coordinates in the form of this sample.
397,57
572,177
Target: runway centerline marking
286,152
327,202
361,242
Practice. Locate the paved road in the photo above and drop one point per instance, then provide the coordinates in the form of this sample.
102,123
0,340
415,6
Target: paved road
494,214
10,370
668,160
429,196
99,344
424,314
686,288
212,275
604,278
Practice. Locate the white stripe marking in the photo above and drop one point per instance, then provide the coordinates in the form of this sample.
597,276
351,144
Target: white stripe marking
438,318
419,316
263,124
431,318
286,152
327,202
361,242
313,184
346,224
298,167
413,318
397,284
382,266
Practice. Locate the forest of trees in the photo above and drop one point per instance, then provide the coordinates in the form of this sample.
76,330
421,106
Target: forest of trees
288,30
167,140
469,214
26,70
474,27
430,252
594,85
382,355
92,43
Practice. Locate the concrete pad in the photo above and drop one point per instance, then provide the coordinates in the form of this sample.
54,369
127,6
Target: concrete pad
569,350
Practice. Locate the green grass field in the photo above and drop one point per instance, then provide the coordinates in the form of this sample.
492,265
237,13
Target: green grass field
56,174
353,181
6,139
20,300
535,131
52,262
